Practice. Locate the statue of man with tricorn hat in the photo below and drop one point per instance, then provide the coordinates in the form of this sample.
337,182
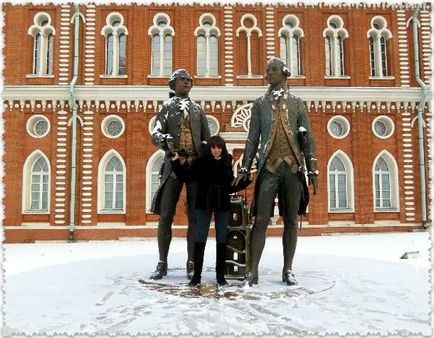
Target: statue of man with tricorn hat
279,121
180,126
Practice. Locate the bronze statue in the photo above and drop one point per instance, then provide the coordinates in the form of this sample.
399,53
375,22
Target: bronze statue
280,123
181,126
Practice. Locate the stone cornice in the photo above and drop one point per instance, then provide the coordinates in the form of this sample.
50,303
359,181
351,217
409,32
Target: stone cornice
106,97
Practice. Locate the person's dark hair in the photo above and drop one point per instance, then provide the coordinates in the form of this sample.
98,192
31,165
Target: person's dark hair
216,141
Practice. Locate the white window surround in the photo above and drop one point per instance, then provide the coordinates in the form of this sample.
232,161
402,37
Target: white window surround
158,154
341,120
162,32
33,121
390,126
249,31
208,31
350,182
101,186
337,35
394,181
378,61
151,124
288,33
117,31
42,27
216,122
27,181
107,120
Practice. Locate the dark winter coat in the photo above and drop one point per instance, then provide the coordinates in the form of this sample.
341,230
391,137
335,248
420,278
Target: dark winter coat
214,179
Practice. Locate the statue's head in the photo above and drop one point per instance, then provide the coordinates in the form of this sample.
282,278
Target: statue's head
277,72
180,82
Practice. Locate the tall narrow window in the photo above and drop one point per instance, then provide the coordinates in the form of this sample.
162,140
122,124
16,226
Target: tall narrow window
43,44
114,185
39,190
36,183
207,46
122,53
111,183
340,183
334,37
161,33
378,36
251,32
290,50
328,56
115,34
385,183
109,54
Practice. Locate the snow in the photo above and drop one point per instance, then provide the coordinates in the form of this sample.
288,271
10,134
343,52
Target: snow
348,284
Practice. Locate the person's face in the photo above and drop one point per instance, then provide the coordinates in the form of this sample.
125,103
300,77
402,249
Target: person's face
216,151
182,85
274,75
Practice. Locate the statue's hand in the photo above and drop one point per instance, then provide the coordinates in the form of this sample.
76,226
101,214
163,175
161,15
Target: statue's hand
313,180
243,175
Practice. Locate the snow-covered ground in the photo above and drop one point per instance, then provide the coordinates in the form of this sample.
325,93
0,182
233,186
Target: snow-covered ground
349,284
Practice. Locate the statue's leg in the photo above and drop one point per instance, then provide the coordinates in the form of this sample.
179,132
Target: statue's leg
264,200
191,215
169,198
289,195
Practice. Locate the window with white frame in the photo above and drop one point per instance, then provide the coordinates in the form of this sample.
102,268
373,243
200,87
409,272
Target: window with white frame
36,185
334,37
290,35
385,183
378,36
43,44
340,183
249,27
115,34
153,176
207,46
161,34
111,183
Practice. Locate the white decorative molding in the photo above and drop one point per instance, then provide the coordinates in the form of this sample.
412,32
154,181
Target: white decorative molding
146,97
425,23
403,48
64,56
87,157
228,41
270,31
89,47
60,175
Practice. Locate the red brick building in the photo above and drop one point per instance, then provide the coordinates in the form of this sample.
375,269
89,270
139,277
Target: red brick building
353,66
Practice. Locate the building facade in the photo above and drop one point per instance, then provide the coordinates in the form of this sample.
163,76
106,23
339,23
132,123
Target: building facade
353,65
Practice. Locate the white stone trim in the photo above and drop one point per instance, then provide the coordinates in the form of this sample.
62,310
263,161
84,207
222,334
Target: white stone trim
64,37
20,96
44,32
394,181
228,40
149,165
89,48
346,124
350,181
270,31
249,31
386,120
